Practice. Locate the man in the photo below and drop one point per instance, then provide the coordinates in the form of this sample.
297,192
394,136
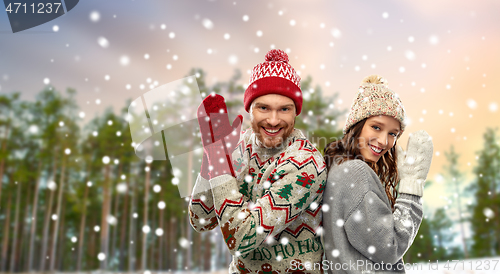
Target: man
267,202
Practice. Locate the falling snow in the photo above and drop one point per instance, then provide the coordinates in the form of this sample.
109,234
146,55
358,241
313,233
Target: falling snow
336,33
207,23
95,16
404,52
103,42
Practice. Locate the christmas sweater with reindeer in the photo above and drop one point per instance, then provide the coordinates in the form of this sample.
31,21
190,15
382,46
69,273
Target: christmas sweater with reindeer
270,213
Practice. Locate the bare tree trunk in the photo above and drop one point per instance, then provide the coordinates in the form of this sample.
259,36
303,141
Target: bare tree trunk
114,213
216,253
145,217
152,248
219,253
161,239
46,226
21,229
2,161
46,222
189,230
24,242
132,232
185,250
229,258
92,245
173,223
170,248
53,256
33,218
104,220
60,257
196,257
114,228
81,234
6,230
462,231
123,227
207,252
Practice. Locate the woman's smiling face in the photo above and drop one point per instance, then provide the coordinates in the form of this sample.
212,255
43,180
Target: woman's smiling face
379,134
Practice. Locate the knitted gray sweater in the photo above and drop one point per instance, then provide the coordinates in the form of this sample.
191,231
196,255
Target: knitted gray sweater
361,233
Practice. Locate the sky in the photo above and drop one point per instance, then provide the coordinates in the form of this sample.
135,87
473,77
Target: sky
441,57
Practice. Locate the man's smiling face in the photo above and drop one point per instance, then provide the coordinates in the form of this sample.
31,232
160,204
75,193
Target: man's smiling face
273,119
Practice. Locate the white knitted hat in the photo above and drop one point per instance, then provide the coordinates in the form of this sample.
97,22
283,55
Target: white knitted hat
375,98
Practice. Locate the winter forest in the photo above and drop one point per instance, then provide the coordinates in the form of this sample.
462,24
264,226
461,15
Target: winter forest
75,197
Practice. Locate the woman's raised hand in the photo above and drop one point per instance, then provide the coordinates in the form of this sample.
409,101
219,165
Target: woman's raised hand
414,163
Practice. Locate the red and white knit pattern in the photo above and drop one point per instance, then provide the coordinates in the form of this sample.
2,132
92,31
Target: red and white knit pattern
270,214
275,68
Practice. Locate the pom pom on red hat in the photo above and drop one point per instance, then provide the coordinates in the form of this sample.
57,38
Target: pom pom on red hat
274,76
277,55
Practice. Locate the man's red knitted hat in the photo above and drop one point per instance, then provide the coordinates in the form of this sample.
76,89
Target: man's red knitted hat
274,76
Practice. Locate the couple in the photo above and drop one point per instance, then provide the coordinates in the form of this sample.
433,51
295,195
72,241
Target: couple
281,205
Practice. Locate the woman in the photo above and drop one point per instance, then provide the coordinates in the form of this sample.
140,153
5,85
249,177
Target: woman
373,191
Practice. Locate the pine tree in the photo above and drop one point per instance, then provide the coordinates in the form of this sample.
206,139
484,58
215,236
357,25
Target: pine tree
485,223
8,103
244,188
441,232
319,115
249,239
233,93
33,139
52,113
430,243
302,201
285,192
456,178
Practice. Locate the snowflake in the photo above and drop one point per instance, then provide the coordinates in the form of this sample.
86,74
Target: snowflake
335,253
340,222
371,249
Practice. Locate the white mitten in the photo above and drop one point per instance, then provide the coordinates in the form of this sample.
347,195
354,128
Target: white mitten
414,164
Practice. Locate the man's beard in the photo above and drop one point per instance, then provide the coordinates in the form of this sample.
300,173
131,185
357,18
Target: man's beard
273,142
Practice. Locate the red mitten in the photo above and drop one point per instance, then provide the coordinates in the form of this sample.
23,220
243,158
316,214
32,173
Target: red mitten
219,137
219,153
207,136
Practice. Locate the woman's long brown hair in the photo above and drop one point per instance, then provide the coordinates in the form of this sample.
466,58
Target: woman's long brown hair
347,148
